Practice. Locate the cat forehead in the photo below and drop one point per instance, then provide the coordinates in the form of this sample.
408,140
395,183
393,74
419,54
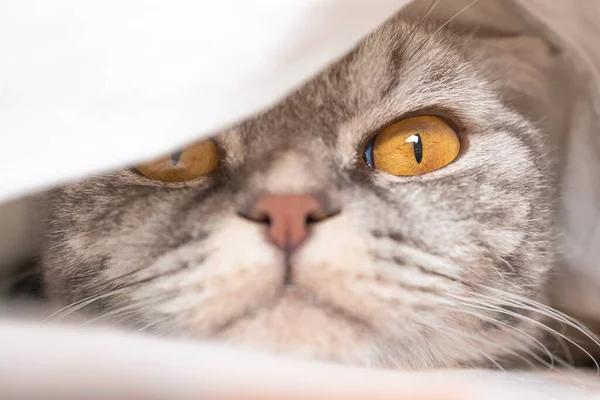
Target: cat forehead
398,69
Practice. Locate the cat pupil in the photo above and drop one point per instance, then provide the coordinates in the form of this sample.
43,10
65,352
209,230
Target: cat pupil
417,146
175,157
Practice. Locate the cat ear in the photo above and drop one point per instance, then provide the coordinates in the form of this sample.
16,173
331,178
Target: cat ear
522,64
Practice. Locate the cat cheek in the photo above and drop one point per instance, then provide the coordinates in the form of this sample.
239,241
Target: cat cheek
239,272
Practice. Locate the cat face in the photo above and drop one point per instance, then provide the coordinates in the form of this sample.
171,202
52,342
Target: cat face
417,271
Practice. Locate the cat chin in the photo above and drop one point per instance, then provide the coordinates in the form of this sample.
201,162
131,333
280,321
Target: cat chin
293,326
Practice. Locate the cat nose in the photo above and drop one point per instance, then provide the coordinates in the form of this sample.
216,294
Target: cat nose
288,217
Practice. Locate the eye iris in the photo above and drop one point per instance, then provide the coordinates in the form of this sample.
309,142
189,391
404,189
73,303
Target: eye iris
190,163
399,150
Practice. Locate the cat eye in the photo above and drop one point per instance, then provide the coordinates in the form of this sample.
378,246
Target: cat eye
190,163
413,146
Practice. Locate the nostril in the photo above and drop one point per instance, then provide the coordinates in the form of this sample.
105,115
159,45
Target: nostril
310,219
320,215
260,217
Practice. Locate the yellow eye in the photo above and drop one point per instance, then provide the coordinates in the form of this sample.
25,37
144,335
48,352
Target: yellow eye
413,146
190,163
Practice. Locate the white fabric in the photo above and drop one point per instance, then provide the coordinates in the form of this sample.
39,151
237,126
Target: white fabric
59,364
87,86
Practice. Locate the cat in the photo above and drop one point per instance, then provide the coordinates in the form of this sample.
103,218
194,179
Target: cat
396,211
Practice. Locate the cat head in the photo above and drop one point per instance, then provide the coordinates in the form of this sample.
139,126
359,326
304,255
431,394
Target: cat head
395,210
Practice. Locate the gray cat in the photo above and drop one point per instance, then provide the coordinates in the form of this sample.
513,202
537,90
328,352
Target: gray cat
395,211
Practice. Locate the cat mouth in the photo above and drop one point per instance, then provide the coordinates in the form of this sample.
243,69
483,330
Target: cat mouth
290,292
295,301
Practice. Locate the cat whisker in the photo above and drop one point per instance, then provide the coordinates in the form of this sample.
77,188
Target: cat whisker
496,322
145,327
515,304
429,38
117,278
560,336
551,312
556,359
490,307
568,364
179,266
539,308
412,34
131,308
463,342
78,305
503,349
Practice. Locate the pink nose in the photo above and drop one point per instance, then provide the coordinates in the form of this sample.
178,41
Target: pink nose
288,217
